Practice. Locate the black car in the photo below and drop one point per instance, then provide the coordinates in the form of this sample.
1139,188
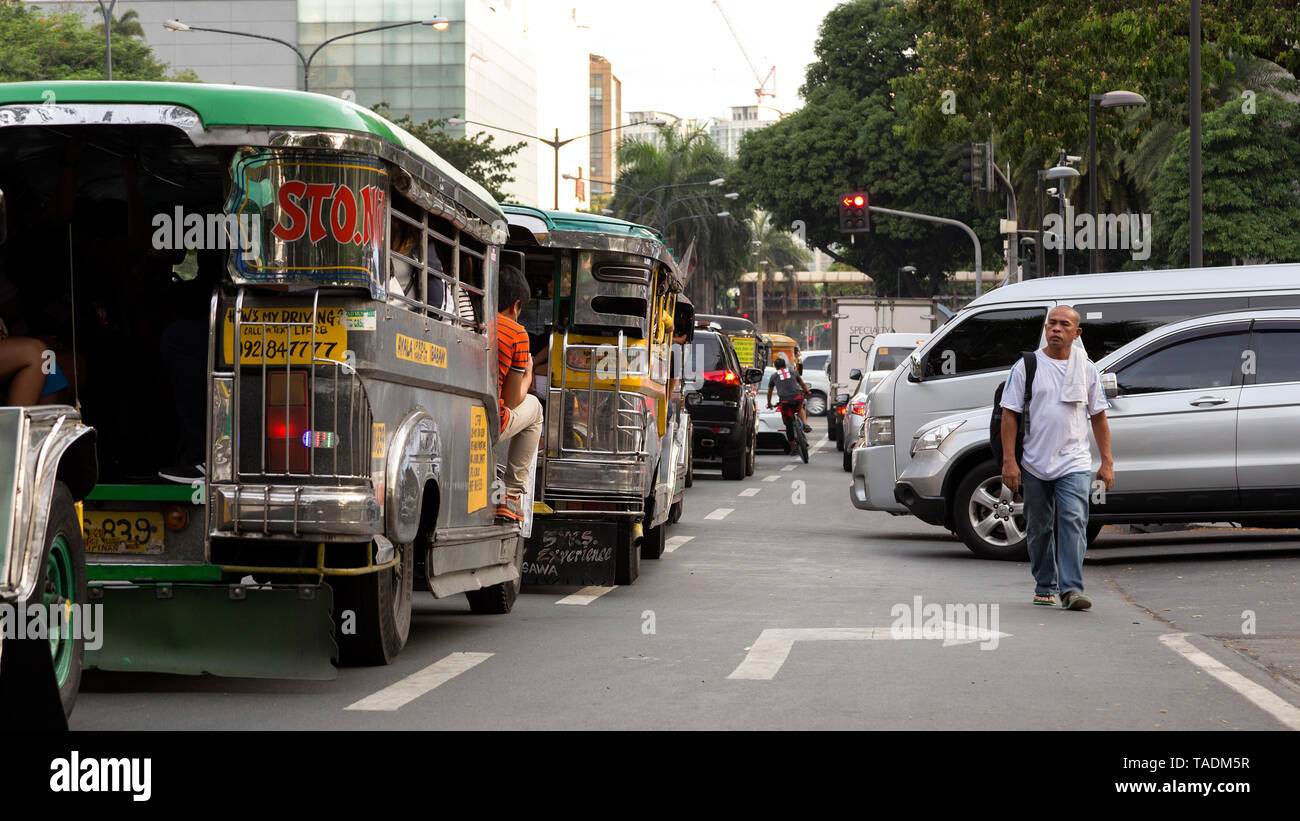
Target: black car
721,404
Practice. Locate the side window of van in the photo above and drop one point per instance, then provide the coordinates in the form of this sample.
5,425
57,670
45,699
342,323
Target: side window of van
1109,326
986,342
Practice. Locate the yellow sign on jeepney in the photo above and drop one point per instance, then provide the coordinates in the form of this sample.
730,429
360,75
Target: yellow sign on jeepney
478,459
267,335
421,351
744,346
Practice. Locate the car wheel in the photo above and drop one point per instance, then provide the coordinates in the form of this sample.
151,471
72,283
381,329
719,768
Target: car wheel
750,454
816,404
848,459
990,527
733,464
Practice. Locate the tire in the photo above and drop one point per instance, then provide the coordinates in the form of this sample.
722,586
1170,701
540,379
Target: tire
690,464
1093,531
652,542
627,558
62,579
733,465
381,607
498,599
981,523
816,404
839,443
848,460
750,455
675,512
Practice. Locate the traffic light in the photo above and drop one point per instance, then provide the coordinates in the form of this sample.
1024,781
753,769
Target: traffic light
855,212
977,166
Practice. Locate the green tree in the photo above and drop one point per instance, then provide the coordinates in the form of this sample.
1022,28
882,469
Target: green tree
477,157
128,25
37,45
775,249
851,134
687,161
1251,178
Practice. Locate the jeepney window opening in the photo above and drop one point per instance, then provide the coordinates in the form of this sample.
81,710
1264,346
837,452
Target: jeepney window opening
447,285
621,273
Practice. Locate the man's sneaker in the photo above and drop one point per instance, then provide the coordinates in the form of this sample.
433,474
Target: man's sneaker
1075,601
510,511
183,474
807,428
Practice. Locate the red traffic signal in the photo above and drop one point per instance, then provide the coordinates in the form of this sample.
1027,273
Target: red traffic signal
855,212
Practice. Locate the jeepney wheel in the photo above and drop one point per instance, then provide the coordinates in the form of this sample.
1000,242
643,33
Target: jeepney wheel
381,612
499,599
627,558
62,586
675,512
652,541
690,465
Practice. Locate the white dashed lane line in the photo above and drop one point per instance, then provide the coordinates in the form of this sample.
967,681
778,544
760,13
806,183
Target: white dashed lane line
675,542
750,491
720,513
771,478
788,468
394,696
1263,698
585,596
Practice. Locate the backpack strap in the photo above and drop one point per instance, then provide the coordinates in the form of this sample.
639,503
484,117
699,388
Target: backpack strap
1030,358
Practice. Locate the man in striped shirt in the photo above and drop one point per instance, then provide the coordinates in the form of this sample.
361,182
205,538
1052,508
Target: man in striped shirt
520,412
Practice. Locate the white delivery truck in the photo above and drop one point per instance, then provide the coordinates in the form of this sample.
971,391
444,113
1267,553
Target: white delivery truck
855,322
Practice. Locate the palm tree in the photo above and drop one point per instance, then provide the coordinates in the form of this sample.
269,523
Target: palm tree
775,250
128,25
665,184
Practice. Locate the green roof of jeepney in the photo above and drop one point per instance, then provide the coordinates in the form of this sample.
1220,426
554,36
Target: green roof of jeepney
579,221
251,106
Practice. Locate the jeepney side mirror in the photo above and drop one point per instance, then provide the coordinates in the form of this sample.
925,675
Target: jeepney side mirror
855,374
1110,385
753,376
4,219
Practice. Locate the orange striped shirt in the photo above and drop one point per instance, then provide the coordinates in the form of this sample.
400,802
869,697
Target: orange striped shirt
512,355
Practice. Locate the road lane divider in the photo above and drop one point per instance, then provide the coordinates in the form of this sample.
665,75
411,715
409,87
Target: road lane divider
750,491
586,595
771,478
403,692
675,542
720,513
1263,698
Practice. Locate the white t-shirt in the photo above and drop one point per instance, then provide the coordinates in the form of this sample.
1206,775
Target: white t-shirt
1057,443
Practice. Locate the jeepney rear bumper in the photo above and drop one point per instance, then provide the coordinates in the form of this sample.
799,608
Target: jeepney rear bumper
587,480
296,510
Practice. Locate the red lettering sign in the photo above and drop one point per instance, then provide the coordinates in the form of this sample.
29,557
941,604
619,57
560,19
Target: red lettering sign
288,198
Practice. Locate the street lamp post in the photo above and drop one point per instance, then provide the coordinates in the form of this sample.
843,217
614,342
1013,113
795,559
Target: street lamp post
107,11
556,144
1111,99
1196,260
1058,172
667,209
437,23
906,269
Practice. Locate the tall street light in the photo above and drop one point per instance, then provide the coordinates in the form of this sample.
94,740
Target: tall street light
718,183
1059,172
1194,111
667,209
556,144
107,11
1111,99
436,23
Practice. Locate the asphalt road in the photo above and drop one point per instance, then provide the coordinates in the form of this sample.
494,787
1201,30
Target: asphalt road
1166,645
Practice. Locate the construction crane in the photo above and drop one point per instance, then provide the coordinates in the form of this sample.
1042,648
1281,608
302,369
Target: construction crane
761,91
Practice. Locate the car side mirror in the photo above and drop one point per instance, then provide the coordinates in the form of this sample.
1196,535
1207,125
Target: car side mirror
916,371
1110,385
753,376
842,399
855,374
692,399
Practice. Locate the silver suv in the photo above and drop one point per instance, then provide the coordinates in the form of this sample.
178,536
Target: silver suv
1205,426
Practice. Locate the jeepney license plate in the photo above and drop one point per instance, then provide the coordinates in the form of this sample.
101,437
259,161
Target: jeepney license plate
123,532
270,343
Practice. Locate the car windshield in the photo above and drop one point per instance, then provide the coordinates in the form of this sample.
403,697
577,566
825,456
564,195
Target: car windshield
889,358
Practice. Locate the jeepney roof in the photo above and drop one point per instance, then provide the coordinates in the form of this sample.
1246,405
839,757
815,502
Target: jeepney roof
228,106
587,223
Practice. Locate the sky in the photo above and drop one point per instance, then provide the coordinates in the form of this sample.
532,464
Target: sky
677,56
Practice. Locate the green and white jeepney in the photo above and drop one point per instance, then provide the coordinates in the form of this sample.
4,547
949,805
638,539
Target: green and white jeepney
307,293
612,472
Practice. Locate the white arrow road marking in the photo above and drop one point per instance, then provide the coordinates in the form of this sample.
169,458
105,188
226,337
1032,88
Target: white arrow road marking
720,513
585,596
675,542
765,657
771,478
1260,696
415,685
750,491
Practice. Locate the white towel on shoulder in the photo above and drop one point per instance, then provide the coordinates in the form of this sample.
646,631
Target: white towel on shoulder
1075,387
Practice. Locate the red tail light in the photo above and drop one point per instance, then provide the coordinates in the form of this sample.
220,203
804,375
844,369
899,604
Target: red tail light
287,419
725,377
859,408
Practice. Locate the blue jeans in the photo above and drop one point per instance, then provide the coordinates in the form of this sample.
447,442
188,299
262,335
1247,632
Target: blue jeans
1056,514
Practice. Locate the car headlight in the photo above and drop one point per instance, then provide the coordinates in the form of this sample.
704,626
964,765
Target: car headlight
933,438
880,430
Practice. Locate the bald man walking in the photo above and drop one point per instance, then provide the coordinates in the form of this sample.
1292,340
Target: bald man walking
1057,462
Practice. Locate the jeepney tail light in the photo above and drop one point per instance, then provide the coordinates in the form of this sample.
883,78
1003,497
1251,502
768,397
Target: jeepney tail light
725,377
287,418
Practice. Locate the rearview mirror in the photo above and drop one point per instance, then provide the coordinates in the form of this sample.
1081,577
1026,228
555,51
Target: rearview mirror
855,374
1110,385
4,219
